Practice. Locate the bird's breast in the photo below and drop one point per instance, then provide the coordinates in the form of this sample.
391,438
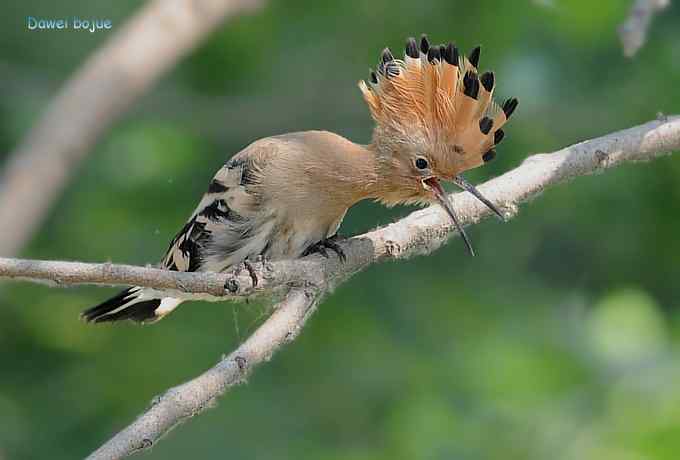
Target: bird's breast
295,233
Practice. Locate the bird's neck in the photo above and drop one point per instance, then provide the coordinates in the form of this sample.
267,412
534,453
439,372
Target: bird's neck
360,172
345,169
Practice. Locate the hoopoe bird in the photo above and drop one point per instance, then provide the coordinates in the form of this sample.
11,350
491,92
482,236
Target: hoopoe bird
285,196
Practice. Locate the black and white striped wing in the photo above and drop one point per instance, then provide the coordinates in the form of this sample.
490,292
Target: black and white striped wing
227,211
221,231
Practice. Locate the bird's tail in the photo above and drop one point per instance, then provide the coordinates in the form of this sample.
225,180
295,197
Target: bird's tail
132,303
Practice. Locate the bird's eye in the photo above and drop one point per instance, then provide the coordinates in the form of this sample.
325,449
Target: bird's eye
421,163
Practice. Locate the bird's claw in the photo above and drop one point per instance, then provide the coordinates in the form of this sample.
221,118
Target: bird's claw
251,271
335,247
322,246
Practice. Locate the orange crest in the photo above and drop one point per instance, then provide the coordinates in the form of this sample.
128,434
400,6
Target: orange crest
436,95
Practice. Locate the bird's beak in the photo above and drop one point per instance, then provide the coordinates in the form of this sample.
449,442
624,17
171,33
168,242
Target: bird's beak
468,187
433,184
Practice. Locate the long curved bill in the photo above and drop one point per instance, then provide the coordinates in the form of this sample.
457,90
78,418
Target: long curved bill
443,200
468,187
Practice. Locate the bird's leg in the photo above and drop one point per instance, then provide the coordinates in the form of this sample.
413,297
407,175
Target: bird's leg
328,243
251,271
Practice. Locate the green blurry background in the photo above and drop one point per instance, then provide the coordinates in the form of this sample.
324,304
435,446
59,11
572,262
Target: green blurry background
561,340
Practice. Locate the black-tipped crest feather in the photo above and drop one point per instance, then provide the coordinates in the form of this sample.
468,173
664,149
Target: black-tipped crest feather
441,99
471,84
412,48
424,44
509,106
487,79
433,54
386,56
498,136
451,54
485,125
473,57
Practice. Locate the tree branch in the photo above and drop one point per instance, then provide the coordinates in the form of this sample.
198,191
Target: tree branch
194,285
191,398
103,88
633,32
419,233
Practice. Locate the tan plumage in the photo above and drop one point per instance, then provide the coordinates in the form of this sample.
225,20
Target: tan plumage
285,196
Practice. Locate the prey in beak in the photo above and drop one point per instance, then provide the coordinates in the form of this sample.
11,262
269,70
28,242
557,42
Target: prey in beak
433,184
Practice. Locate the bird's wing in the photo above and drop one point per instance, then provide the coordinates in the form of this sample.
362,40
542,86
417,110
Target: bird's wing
218,234
224,220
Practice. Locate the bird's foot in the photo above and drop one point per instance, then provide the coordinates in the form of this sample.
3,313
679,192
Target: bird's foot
322,246
265,263
248,266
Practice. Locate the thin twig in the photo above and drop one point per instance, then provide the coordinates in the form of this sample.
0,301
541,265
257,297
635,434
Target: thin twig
419,233
133,59
633,32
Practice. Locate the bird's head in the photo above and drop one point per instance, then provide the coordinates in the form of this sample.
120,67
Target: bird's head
435,118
